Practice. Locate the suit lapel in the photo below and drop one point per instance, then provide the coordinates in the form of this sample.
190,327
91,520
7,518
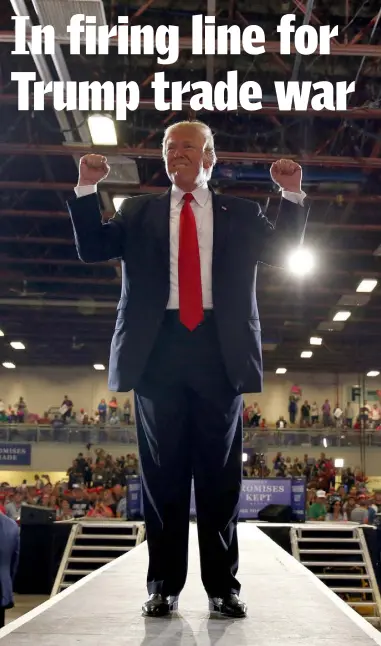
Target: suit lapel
221,227
158,222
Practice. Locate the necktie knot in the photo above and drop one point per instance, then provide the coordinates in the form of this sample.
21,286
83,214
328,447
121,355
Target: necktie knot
188,197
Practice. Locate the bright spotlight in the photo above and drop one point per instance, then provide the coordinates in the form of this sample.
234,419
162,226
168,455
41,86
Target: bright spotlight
301,262
244,457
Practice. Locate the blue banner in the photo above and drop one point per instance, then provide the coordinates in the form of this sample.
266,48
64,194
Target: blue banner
256,494
15,454
134,497
298,499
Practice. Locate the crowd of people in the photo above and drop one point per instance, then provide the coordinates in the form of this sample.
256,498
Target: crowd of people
112,413
306,415
94,487
300,414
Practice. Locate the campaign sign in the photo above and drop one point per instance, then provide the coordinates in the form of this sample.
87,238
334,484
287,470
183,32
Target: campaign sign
16,454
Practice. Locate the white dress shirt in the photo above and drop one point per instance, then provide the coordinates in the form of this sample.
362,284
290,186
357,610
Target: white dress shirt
203,212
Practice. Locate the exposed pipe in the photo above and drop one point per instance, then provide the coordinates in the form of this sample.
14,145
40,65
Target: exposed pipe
298,58
156,153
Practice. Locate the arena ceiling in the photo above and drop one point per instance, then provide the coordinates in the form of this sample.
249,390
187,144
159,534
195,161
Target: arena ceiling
64,310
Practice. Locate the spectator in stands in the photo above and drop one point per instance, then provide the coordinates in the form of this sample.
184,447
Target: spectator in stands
305,414
100,510
9,558
256,417
314,413
349,415
108,499
326,408
21,410
13,508
318,510
292,409
112,406
38,482
3,414
281,423
127,411
79,504
376,416
360,512
336,512
102,410
66,409
377,502
64,511
349,506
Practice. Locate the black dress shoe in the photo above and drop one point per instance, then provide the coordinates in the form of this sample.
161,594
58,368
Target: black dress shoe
229,606
159,606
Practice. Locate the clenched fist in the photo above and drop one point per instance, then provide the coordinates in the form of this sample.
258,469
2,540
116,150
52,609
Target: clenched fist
92,169
287,174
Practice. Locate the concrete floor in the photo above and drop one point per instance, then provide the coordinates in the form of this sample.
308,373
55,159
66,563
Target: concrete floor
287,605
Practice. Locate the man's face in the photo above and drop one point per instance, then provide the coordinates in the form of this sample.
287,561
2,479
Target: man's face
185,160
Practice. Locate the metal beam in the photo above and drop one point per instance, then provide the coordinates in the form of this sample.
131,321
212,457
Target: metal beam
156,153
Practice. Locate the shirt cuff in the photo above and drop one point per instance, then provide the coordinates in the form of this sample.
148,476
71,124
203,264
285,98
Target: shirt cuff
297,198
81,191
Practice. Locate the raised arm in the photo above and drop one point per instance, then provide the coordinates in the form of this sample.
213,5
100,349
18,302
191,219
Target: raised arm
95,241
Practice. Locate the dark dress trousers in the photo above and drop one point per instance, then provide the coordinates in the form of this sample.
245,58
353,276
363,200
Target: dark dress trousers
188,385
9,559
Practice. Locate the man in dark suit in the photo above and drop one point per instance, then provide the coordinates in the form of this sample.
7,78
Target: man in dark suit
9,558
188,341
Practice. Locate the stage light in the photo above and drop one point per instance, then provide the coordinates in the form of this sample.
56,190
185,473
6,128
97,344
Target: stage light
9,365
339,463
99,366
281,371
102,130
17,345
306,354
325,443
1,333
316,340
244,457
301,262
367,286
373,373
341,316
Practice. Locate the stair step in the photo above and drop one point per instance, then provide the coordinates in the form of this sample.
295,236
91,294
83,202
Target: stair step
88,559
119,537
65,585
328,540
343,576
81,572
346,564
330,551
362,603
373,620
354,590
100,548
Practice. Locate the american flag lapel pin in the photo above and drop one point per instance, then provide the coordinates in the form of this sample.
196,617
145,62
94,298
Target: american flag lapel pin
224,208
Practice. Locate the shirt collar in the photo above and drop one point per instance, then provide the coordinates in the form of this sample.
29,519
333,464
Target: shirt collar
200,194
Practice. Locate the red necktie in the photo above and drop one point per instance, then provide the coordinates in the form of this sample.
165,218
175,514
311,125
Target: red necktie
190,289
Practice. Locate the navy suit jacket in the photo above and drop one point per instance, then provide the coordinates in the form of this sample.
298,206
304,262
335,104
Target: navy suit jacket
139,235
9,558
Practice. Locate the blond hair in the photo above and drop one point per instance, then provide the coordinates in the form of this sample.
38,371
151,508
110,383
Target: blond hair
203,129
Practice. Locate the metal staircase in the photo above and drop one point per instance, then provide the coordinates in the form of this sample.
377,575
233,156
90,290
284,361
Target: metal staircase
339,556
92,544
